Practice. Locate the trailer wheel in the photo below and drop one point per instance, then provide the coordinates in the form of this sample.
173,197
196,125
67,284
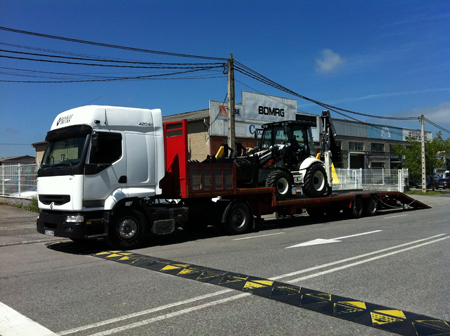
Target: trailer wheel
315,212
127,229
239,218
315,181
370,206
356,209
282,182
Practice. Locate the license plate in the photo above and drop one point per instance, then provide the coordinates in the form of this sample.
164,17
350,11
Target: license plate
49,232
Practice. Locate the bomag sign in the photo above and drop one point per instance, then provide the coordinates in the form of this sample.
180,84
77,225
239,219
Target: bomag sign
271,111
265,108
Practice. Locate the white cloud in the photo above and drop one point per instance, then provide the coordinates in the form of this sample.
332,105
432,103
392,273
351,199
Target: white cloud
328,62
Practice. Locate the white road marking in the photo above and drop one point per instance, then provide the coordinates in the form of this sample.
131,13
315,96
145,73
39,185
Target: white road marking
12,323
396,216
266,235
367,260
166,316
320,241
185,311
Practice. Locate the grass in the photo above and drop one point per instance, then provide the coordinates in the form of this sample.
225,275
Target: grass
428,193
33,207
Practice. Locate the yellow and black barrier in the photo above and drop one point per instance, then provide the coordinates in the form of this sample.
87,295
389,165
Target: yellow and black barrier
364,313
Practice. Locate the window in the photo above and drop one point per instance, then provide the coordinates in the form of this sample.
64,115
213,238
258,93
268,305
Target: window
108,148
377,147
376,165
356,146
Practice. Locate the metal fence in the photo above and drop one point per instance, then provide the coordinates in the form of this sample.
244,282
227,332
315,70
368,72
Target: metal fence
370,179
18,180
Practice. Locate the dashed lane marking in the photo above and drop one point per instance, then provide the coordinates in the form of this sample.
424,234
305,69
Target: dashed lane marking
364,313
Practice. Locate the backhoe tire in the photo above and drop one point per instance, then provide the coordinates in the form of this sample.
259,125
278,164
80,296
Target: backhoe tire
315,181
282,182
127,230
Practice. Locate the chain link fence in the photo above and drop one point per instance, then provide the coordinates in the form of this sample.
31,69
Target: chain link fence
18,180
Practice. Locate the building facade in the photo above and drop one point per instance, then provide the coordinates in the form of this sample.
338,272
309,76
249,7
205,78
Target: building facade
363,145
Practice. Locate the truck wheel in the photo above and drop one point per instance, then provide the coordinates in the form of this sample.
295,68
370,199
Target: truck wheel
127,230
370,206
355,211
239,219
282,182
315,181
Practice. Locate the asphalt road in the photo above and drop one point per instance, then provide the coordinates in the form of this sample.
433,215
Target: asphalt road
398,260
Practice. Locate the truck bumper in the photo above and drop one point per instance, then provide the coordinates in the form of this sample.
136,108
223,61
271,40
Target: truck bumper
54,224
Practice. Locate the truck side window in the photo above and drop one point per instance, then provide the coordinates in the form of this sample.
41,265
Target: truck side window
109,148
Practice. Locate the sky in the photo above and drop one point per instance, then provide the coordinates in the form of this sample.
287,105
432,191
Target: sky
381,58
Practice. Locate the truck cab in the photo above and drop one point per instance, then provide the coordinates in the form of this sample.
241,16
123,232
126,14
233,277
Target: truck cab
97,159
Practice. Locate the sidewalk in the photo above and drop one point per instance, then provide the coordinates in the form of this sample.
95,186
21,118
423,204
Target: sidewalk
18,226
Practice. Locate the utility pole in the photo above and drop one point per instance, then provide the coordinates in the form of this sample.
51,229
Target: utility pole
424,170
231,105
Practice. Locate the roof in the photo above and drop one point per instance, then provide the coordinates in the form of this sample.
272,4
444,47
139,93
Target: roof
190,116
18,159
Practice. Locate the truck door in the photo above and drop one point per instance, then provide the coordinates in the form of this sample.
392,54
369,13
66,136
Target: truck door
106,168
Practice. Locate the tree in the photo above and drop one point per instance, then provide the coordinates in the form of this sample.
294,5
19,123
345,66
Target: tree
437,155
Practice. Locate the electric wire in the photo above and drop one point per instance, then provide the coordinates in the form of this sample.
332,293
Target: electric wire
106,45
255,75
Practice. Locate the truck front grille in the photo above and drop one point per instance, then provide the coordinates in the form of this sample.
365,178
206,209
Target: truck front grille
55,199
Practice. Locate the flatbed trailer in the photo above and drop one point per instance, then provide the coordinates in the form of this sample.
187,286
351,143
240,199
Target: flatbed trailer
210,193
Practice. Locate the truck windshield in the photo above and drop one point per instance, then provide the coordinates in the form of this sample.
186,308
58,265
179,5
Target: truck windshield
67,151
65,146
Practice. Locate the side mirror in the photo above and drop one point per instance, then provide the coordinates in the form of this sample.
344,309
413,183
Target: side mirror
95,142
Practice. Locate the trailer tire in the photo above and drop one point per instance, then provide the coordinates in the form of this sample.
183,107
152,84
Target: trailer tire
356,209
370,206
282,182
315,181
127,230
239,218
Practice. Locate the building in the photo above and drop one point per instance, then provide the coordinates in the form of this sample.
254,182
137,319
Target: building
24,159
363,145
40,149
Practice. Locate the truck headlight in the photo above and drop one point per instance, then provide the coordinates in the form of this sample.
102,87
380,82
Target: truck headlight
75,219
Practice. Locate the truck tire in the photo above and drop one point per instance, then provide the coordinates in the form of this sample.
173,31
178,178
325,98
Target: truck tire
239,218
282,182
370,206
315,181
356,209
127,230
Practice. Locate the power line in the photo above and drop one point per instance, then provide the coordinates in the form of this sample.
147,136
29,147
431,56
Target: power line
98,59
437,126
106,45
255,75
157,76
